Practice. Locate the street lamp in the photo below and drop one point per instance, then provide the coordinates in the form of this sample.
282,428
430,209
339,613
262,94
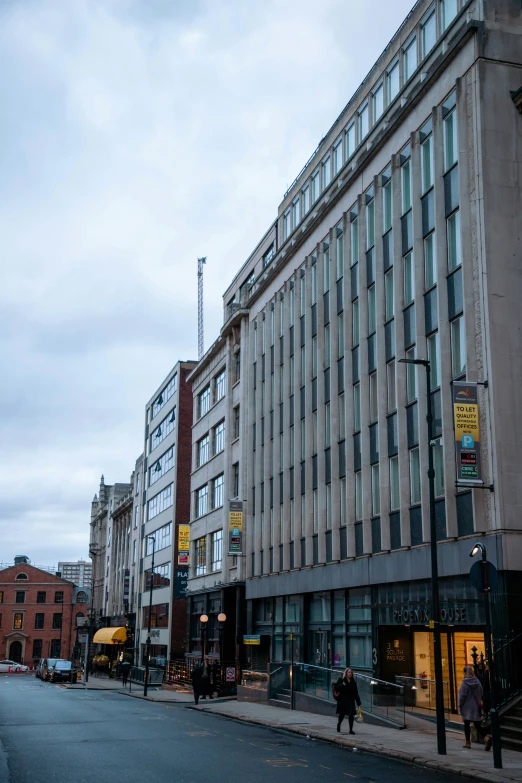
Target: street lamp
435,610
147,648
222,618
203,620
486,588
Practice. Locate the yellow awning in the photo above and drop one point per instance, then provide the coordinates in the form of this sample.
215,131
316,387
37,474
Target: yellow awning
110,636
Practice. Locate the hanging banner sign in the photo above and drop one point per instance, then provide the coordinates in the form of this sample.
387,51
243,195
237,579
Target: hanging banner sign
126,580
180,582
183,544
235,527
467,432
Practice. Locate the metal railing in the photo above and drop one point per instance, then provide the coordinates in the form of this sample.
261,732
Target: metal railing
155,675
508,670
279,678
379,698
419,695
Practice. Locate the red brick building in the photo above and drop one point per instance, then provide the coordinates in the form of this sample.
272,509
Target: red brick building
38,614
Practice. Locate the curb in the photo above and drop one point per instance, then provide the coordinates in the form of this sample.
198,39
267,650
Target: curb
346,743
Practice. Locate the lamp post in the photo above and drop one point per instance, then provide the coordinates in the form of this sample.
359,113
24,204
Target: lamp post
203,620
435,609
147,643
495,728
89,631
222,618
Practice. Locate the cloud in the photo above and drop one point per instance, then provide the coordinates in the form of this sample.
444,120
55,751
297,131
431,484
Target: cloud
139,135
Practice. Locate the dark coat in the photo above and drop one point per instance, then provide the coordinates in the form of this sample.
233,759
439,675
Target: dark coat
470,698
348,700
195,676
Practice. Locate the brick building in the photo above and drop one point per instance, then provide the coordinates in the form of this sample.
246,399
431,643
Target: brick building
38,613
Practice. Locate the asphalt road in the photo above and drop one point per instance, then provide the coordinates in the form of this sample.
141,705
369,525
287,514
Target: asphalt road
52,735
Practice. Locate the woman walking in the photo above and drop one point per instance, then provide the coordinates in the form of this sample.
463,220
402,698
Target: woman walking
470,707
347,699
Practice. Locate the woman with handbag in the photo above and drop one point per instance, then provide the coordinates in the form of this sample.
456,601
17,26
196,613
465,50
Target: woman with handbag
347,696
470,707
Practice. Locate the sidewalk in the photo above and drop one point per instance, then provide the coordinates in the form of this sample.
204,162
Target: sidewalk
418,745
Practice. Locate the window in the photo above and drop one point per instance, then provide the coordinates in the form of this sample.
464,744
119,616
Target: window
136,516
315,186
306,199
303,366
296,212
161,577
303,439
342,502
161,539
134,551
371,310
370,224
21,577
138,480
204,401
216,541
411,377
429,34
409,279
406,186
410,59
165,395
201,556
159,616
449,12
235,479
163,429
326,266
314,356
268,256
161,466
388,291
393,82
39,620
160,502
302,294
55,648
221,385
415,483
387,206
327,428
394,484
338,156
20,597
314,284
340,252
390,381
314,432
427,164
286,225
1,596
58,597
438,466
373,397
355,323
450,140
340,335
354,232
236,423
326,346
458,347
342,418
18,621
57,620
219,485
378,102
376,493
358,496
430,261
326,175
219,437
350,140
202,501
41,596
292,307
434,360
454,249
357,407
363,121
37,648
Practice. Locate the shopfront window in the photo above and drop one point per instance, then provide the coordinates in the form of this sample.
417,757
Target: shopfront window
359,629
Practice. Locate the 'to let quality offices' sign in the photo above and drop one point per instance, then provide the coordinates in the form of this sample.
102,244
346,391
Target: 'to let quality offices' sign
467,432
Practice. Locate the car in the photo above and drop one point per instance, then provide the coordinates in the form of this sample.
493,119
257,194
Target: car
61,671
47,665
12,666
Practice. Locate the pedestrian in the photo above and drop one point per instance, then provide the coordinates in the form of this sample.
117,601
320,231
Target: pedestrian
197,684
470,707
347,698
206,679
125,668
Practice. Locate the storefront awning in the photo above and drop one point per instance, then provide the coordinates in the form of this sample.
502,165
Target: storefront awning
110,636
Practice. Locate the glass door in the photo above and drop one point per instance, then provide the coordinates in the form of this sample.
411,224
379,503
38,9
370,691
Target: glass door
320,648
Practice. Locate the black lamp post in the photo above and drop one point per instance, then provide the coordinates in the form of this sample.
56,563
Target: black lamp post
203,620
495,728
222,618
147,648
435,609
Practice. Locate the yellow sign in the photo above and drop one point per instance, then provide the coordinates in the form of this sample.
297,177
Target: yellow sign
466,420
235,520
183,538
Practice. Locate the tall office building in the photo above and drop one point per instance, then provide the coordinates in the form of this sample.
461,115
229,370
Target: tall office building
79,572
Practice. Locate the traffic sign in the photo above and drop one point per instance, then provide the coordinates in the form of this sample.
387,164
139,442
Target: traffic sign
476,574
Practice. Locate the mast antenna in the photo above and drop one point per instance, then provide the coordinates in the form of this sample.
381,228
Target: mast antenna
201,261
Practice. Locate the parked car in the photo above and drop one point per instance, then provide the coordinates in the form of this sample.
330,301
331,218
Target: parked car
13,666
39,667
47,665
61,671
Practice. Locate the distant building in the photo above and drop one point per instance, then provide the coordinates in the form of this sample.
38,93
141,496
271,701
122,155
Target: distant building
80,572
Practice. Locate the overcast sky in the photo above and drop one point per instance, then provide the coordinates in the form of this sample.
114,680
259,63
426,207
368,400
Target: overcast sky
137,135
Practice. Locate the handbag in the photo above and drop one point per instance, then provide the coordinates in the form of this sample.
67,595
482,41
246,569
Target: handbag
335,692
359,717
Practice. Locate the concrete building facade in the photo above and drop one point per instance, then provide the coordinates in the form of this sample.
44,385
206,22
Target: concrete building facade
79,572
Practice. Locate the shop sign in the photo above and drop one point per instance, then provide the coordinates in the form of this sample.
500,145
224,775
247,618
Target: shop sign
183,544
235,527
252,639
126,580
467,432
414,615
180,582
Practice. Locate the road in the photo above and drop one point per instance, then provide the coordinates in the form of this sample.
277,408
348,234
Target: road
49,734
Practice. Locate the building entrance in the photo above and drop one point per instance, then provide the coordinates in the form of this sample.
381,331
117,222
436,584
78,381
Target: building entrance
320,648
15,652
